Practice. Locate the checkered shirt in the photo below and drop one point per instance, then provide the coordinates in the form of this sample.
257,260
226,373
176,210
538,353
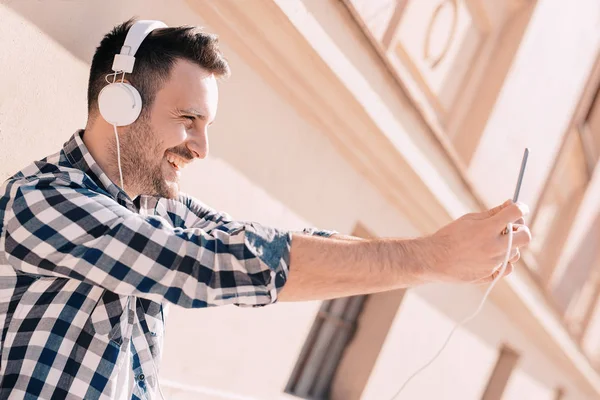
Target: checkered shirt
86,275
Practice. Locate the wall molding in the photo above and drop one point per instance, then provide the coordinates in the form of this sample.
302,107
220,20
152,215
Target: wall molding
418,174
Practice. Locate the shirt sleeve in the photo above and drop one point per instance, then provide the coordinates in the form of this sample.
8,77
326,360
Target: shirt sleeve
72,232
187,211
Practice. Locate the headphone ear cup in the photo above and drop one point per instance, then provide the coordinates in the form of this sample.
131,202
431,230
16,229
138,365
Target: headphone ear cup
120,104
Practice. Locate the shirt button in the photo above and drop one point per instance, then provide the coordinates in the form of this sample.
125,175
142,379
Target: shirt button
141,377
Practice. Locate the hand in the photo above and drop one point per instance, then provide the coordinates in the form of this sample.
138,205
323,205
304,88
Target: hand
473,247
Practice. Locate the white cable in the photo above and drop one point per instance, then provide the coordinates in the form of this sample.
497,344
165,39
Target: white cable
162,396
509,230
114,75
119,157
144,213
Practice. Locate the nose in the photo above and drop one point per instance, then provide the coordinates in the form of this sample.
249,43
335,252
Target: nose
198,144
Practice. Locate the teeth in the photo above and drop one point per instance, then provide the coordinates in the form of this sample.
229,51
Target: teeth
177,161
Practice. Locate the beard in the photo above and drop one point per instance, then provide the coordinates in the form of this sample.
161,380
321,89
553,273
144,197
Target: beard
143,162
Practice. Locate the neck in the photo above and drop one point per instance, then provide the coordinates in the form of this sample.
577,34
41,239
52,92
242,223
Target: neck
99,138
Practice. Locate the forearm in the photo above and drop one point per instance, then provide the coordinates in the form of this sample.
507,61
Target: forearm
346,237
324,268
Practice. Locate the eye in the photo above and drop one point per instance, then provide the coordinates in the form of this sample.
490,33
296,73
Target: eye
188,120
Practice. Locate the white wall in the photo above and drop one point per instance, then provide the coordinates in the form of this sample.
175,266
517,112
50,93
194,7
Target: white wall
538,99
269,165
297,177
425,318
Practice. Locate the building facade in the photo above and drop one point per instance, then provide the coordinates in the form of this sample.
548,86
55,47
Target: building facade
375,118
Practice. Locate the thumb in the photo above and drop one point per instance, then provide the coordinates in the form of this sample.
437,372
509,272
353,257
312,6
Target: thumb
497,209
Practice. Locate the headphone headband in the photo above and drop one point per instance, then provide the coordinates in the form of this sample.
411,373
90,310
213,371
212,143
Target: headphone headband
124,61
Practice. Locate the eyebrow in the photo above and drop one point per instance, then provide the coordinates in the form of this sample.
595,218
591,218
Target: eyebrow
194,112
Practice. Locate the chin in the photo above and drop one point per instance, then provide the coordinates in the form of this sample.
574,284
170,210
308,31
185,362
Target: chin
164,188
172,190
166,183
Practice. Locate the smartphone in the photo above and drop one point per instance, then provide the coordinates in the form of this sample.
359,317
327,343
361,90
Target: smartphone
521,173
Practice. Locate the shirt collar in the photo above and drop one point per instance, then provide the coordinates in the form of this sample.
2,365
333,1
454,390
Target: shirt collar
78,155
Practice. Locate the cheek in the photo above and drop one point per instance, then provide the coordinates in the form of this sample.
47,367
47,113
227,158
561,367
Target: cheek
170,133
173,136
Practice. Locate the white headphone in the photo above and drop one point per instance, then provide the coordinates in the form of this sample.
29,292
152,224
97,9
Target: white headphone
119,102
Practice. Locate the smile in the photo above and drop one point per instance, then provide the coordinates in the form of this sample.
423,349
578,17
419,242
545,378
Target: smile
177,162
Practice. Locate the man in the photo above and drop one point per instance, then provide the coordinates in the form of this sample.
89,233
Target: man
87,266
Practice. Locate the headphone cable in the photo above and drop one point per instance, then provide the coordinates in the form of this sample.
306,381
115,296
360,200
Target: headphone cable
509,230
119,157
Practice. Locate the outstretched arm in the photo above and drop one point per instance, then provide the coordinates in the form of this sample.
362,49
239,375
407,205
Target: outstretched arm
467,250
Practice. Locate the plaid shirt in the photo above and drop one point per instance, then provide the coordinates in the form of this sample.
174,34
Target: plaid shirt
86,274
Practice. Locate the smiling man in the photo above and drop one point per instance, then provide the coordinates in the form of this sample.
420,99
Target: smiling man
97,239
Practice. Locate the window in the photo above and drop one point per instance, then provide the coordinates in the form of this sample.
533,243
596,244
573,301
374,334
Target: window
576,292
573,284
431,44
332,331
344,343
590,336
590,133
329,336
559,203
451,56
507,361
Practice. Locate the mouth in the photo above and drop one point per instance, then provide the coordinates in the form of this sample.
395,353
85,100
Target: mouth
177,162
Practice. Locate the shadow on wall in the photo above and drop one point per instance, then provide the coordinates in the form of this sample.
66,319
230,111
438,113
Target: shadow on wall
77,24
67,22
255,146
257,133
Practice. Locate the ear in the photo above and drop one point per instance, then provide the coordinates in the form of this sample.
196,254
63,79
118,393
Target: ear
119,104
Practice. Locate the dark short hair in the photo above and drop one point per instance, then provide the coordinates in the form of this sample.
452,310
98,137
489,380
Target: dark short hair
154,59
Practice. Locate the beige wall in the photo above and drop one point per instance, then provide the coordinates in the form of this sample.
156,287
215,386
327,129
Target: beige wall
423,322
270,164
538,99
304,180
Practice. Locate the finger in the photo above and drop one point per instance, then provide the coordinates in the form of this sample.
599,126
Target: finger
521,237
486,280
493,211
515,226
509,269
515,255
520,221
510,214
